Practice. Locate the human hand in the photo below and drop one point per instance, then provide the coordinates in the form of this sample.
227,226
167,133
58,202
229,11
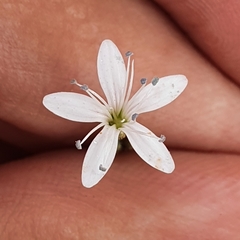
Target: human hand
46,45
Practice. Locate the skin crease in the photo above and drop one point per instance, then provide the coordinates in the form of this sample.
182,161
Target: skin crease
46,44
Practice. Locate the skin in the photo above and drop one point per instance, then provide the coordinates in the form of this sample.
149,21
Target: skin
46,44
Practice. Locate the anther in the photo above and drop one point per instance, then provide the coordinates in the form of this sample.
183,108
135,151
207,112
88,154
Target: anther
128,54
73,81
162,138
143,81
84,87
78,144
102,168
134,116
155,81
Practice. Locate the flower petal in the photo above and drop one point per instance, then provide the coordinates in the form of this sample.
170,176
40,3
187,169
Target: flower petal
99,156
156,96
75,107
147,146
112,73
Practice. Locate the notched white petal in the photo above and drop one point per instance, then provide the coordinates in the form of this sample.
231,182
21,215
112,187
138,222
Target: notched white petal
111,72
157,94
147,146
99,156
75,107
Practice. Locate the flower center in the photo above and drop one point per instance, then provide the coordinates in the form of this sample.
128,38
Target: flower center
118,120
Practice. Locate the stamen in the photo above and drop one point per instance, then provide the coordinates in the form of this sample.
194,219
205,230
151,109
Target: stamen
128,54
74,81
130,82
91,132
134,116
132,104
91,93
78,144
155,81
97,97
143,81
162,138
126,80
102,168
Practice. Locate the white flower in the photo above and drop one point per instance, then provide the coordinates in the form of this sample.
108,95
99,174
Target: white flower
118,114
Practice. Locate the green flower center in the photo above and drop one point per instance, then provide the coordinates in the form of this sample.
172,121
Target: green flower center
118,120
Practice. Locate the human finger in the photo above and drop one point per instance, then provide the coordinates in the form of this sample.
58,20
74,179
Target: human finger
198,119
214,28
42,197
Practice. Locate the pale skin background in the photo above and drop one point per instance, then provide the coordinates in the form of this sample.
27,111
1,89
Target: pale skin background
44,44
